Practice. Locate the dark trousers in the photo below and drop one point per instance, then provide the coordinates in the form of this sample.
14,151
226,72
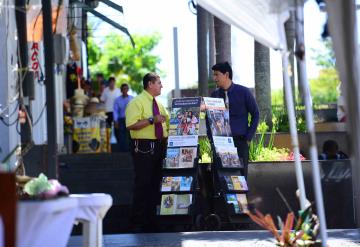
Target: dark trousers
243,151
147,156
109,119
122,136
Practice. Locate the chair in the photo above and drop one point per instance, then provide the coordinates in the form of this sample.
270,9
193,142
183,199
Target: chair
8,200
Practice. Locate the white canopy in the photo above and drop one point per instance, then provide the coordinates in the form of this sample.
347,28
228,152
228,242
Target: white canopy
262,19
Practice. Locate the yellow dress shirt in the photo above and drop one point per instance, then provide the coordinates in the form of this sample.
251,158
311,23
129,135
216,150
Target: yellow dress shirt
141,107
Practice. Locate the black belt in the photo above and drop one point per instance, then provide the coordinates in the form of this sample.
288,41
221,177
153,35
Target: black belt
147,145
145,141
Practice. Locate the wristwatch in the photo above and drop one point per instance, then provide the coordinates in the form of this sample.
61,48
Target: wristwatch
151,120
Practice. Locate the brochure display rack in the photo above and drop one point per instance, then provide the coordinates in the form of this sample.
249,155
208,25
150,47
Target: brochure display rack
229,187
179,185
190,195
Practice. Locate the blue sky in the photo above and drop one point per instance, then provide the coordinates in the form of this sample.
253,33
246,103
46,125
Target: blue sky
144,17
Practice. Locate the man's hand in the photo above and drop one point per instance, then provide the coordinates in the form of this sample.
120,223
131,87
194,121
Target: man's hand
159,119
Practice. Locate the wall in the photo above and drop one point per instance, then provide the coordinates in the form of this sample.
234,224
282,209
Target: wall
8,80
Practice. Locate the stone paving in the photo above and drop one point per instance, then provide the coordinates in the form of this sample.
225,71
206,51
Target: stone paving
337,238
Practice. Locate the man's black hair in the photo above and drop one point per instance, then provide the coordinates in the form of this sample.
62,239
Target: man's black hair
111,78
149,77
124,85
223,68
330,145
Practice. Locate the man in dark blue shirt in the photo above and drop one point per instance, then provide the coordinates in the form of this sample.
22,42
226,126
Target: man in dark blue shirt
240,102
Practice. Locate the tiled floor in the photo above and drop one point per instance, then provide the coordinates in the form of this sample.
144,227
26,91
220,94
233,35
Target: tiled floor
337,238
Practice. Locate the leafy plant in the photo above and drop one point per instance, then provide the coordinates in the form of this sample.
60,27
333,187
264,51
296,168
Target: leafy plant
37,185
281,120
260,151
205,150
304,233
257,145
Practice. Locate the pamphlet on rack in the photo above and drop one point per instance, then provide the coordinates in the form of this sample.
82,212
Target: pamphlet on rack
175,204
223,141
180,157
218,116
239,201
183,141
236,183
178,183
185,116
229,157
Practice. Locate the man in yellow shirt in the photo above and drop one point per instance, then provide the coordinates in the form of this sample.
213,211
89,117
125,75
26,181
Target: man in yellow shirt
148,122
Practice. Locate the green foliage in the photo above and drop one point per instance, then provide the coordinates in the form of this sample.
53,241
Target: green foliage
324,88
119,58
205,150
273,154
281,120
37,185
257,145
277,97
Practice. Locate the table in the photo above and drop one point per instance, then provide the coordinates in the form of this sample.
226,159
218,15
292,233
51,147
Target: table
92,210
49,222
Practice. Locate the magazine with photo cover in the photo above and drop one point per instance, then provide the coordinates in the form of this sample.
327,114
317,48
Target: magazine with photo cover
178,183
229,157
187,156
185,184
185,116
231,198
218,116
167,204
243,183
172,158
243,203
229,182
175,183
236,183
182,204
175,204
166,184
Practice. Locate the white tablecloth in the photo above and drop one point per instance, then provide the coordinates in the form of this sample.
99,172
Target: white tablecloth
49,222
45,223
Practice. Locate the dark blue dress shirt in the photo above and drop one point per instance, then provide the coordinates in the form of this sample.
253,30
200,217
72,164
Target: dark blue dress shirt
241,103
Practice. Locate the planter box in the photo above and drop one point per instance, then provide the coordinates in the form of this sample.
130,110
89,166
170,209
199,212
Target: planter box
265,177
283,140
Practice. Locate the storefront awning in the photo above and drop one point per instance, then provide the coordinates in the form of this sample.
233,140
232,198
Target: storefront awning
106,19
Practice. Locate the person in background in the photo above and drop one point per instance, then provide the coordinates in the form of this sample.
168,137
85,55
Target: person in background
121,133
331,151
240,102
148,122
108,97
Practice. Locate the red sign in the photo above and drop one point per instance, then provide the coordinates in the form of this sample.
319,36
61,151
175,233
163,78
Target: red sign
35,59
